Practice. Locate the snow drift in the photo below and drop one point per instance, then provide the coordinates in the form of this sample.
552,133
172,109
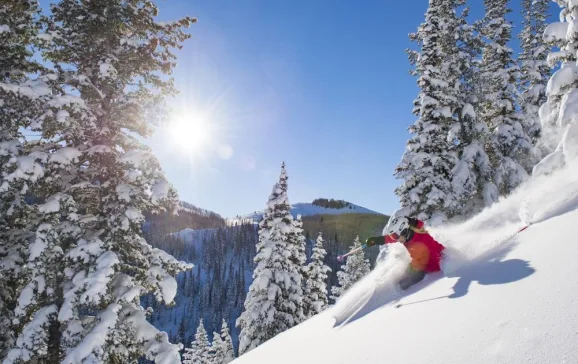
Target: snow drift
504,297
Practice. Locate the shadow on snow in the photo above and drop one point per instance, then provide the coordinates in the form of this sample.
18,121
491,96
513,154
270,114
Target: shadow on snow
488,269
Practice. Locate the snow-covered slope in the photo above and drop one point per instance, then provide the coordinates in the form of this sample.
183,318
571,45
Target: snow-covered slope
506,297
308,209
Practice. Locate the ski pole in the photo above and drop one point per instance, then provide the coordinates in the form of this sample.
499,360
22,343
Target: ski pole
342,257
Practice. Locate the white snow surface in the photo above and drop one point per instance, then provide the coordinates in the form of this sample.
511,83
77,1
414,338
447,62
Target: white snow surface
83,353
562,79
504,297
160,191
65,155
468,110
568,108
556,32
33,335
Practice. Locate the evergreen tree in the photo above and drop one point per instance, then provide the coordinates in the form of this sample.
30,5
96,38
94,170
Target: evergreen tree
89,263
274,300
29,255
428,162
299,258
21,104
509,144
182,329
558,114
316,284
200,351
354,269
223,346
535,71
297,237
472,175
217,348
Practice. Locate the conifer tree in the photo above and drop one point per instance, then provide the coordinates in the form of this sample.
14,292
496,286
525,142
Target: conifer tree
428,162
274,301
509,144
354,269
200,351
472,175
223,346
299,258
297,237
217,348
316,284
24,101
89,254
182,329
558,115
535,71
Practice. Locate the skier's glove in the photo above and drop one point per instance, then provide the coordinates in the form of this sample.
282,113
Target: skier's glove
371,241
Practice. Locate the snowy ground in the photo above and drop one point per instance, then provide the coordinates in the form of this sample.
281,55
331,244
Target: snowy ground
505,297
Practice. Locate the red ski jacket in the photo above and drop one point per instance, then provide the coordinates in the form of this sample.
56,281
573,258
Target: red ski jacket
424,250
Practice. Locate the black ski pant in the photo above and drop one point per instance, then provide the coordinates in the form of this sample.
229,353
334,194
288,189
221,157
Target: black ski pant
412,277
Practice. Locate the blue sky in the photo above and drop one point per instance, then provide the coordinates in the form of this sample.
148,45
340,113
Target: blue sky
322,85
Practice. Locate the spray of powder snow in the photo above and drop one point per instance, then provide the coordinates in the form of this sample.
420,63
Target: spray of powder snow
390,267
536,200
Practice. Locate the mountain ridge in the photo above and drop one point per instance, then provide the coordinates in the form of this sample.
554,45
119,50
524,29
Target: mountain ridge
311,209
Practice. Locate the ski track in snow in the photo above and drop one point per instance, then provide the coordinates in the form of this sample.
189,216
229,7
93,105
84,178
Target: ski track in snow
456,317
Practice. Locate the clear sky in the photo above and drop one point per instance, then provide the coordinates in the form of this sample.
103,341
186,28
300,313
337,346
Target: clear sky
322,85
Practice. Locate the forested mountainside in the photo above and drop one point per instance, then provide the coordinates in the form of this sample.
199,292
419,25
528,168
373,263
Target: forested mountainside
223,257
215,289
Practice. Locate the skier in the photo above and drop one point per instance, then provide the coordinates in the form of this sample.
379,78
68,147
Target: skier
426,253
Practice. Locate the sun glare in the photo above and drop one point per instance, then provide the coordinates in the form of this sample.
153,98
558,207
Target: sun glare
190,132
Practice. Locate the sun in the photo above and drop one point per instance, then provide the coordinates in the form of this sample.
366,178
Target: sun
190,132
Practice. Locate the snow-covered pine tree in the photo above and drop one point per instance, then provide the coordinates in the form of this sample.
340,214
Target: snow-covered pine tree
540,11
509,144
217,348
534,68
299,258
558,115
471,176
200,351
427,164
223,346
316,285
274,302
23,100
89,255
354,269
229,350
